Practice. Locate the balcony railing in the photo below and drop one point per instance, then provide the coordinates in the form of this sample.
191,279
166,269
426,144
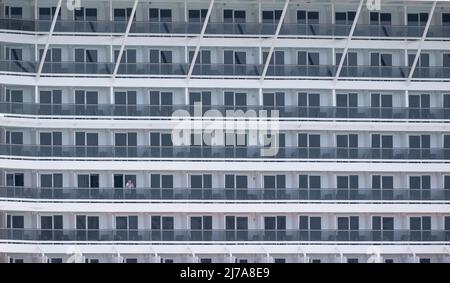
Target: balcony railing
227,70
220,194
337,30
397,72
246,152
388,31
218,28
301,71
19,25
226,235
153,69
439,31
235,70
94,68
258,29
18,66
142,110
78,68
432,72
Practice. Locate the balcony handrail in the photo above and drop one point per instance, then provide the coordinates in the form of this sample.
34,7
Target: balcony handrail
227,64
209,194
209,235
322,189
220,69
226,106
167,110
197,151
224,147
103,26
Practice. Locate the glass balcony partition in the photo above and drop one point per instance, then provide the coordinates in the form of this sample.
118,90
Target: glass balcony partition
432,72
18,24
223,235
336,30
223,152
78,68
300,112
227,70
396,72
229,194
221,70
301,71
220,28
18,66
388,31
439,32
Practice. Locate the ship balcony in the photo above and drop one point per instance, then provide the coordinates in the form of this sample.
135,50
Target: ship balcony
215,235
289,112
252,29
401,195
223,70
225,152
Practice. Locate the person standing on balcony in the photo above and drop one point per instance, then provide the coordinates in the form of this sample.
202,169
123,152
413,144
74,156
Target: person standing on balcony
130,184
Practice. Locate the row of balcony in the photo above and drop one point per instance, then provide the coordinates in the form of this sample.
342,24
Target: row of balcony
247,70
231,29
212,152
226,235
142,110
229,194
